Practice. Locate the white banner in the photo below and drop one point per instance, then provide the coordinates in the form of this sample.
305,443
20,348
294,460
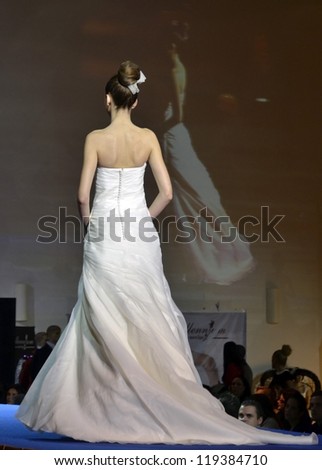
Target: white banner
208,332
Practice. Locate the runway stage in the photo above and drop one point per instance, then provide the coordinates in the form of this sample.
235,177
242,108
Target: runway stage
14,435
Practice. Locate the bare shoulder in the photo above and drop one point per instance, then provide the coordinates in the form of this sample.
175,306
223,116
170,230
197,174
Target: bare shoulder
96,138
150,136
148,132
97,133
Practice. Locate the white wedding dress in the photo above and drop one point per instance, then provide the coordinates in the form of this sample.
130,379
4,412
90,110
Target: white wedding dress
122,370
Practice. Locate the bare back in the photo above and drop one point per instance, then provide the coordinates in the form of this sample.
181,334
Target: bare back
122,146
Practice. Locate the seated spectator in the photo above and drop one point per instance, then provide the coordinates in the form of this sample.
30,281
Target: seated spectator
18,399
41,355
240,388
280,405
296,415
269,392
269,418
251,413
316,411
12,392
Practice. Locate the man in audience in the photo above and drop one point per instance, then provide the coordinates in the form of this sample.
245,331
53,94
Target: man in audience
250,412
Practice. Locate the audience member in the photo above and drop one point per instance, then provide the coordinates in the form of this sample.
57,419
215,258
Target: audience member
12,392
232,363
280,405
295,412
240,388
282,378
19,398
269,418
269,392
251,413
24,376
41,355
316,411
39,340
246,369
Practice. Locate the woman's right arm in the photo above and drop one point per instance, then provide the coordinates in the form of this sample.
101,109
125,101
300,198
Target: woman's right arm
161,177
86,178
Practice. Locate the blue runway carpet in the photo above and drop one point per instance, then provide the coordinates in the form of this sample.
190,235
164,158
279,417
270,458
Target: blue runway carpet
14,435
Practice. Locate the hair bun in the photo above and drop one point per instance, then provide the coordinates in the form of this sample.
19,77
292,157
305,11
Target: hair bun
128,73
286,350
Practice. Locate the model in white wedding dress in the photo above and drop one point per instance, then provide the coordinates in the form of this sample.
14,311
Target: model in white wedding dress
122,370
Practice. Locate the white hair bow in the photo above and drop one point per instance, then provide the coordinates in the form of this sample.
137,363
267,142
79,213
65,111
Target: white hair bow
134,86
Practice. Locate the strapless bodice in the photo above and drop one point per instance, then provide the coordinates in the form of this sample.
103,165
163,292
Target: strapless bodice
120,181
119,202
119,185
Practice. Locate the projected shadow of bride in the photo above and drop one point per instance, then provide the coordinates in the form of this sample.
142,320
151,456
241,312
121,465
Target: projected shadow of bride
215,250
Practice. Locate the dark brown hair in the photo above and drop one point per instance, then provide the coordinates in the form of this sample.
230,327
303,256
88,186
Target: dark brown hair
117,86
281,355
